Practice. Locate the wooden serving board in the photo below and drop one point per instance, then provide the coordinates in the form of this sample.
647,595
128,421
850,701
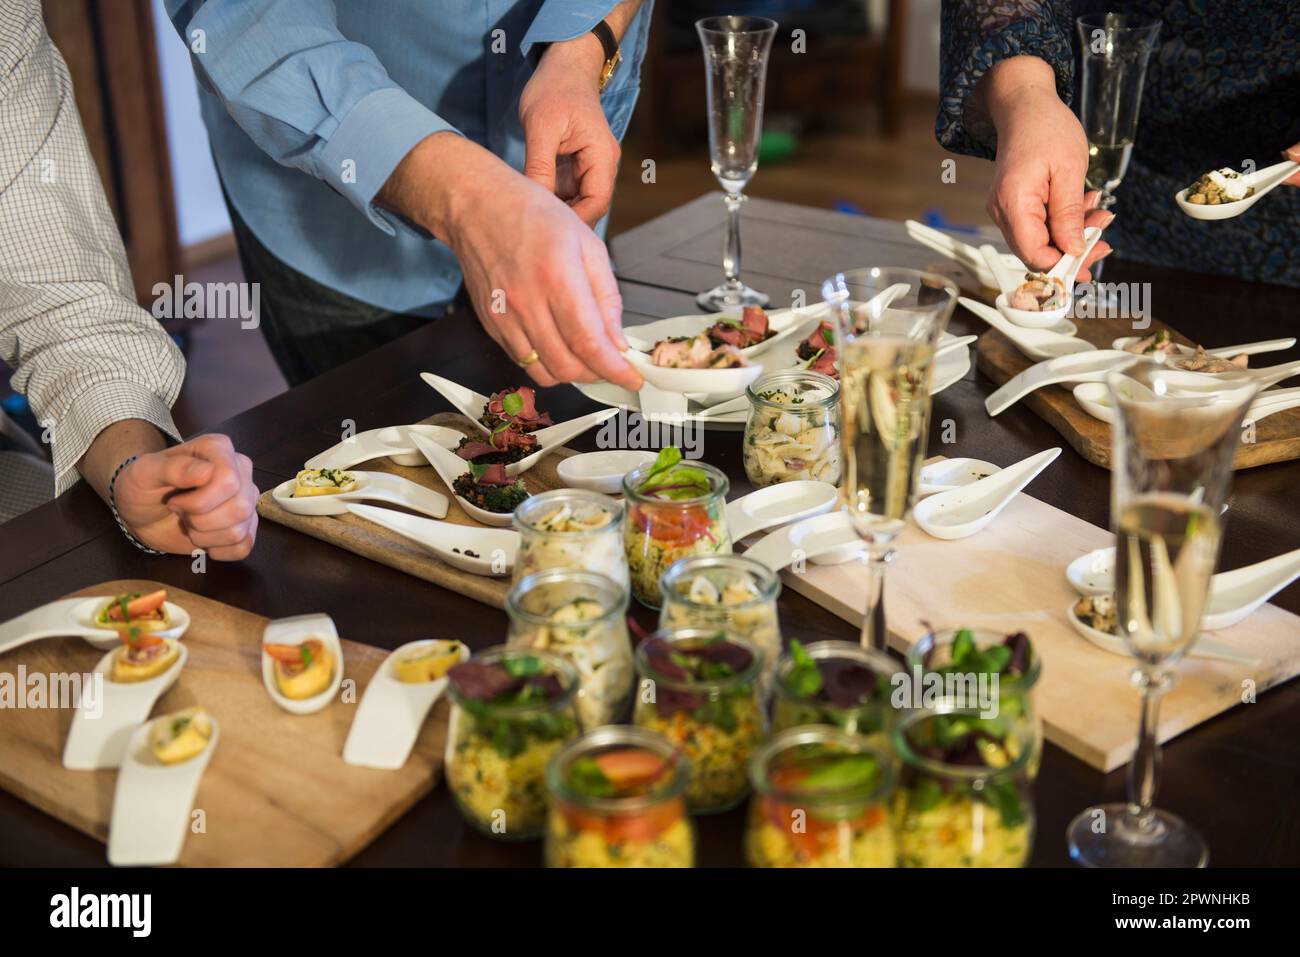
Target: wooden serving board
1011,577
371,541
276,793
1275,439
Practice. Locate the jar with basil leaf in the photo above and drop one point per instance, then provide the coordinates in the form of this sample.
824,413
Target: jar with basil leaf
835,683
700,690
964,795
512,711
979,654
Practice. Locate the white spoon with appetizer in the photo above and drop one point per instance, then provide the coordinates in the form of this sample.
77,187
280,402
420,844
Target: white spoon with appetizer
399,697
490,552
519,451
330,491
1039,300
1094,619
953,473
485,492
302,662
1161,343
156,786
100,621
131,678
1225,193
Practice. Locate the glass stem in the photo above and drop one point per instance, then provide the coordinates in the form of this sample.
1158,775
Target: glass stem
874,633
1144,770
731,252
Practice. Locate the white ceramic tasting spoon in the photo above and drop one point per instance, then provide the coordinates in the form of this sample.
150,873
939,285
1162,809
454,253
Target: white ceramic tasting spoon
1221,352
371,487
1035,343
295,631
961,512
489,552
466,401
1094,398
557,436
1264,180
75,617
450,467
1066,269
391,714
101,729
953,473
811,538
779,504
152,801
1202,646
393,442
1233,595
1084,367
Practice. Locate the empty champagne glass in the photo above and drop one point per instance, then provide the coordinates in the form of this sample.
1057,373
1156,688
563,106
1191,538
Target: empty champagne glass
885,358
735,61
1114,49
1171,468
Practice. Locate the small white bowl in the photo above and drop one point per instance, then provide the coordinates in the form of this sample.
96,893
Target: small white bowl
728,382
601,471
1034,320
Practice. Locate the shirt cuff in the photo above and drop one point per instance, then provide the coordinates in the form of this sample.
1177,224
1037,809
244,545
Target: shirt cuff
557,22
373,138
94,410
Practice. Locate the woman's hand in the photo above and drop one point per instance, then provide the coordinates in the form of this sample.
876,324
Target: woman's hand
1292,153
1037,198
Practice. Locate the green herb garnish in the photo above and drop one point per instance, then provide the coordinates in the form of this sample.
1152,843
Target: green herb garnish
525,666
804,680
669,478
587,778
512,404
842,774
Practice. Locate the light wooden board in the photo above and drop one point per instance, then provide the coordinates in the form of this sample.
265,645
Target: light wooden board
1275,439
276,793
1011,577
371,541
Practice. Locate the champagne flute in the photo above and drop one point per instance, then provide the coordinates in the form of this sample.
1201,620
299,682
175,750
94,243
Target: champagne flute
1171,468
885,358
735,59
1115,48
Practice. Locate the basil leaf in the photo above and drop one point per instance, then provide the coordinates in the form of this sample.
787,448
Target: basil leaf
512,404
844,774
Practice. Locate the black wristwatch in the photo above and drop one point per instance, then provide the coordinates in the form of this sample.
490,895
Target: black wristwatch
613,55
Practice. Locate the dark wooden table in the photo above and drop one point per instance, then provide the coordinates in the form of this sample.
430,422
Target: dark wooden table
1236,778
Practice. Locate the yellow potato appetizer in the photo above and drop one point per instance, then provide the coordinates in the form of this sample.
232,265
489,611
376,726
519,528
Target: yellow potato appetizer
323,482
302,671
142,657
178,737
427,663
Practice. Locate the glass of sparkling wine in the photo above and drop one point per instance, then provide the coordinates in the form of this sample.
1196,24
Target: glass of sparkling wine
1171,469
885,359
1115,48
735,61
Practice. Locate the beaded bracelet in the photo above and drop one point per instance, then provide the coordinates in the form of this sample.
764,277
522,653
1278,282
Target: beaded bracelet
112,504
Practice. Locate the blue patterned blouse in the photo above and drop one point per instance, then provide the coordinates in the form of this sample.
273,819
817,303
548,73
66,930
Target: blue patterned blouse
1222,87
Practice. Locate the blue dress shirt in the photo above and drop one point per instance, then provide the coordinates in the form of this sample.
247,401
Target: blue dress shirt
342,92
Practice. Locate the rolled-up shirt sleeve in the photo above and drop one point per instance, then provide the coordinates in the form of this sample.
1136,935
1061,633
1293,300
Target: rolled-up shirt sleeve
976,34
84,353
306,95
560,20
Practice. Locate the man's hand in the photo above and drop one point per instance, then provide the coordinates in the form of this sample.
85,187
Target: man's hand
1037,197
1292,153
570,149
539,278
199,494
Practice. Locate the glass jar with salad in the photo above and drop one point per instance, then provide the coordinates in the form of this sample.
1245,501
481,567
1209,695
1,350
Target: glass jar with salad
616,801
700,690
821,799
675,509
512,711
793,428
728,593
581,616
964,795
981,651
835,683
571,529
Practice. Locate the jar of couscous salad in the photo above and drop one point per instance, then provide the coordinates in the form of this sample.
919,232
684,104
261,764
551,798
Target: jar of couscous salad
700,690
980,654
728,593
793,428
571,529
821,799
616,800
963,798
581,616
512,711
835,683
676,509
